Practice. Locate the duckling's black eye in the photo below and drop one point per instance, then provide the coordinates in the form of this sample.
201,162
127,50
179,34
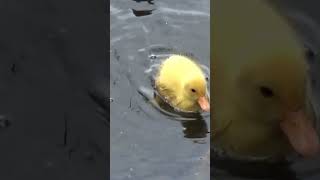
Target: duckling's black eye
193,90
266,92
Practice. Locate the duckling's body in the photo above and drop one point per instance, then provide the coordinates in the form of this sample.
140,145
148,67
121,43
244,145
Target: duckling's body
259,82
178,77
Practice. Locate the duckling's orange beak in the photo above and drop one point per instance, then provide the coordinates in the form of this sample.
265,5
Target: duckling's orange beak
204,103
300,132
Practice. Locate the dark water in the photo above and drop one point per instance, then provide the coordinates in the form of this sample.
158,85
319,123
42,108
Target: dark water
52,76
305,18
146,141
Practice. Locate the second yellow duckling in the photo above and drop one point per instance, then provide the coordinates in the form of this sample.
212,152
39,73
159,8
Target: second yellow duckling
181,82
260,83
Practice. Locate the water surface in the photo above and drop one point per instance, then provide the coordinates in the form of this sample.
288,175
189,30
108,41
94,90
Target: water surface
147,143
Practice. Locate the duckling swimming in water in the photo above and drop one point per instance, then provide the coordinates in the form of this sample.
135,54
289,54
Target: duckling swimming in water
260,80
182,83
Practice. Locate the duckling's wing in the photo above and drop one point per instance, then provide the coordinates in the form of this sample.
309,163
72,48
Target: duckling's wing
166,93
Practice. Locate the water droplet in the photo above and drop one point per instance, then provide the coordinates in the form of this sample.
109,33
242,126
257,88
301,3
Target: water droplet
111,99
141,49
152,56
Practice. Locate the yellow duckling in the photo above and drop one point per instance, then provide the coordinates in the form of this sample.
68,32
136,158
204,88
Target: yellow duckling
260,80
181,82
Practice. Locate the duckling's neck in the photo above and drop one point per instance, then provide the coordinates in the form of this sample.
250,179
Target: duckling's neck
186,103
245,133
243,136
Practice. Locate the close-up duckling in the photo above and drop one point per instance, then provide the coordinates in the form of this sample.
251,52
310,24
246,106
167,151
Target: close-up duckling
182,83
260,80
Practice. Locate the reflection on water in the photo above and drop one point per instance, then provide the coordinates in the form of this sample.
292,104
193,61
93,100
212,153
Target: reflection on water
141,12
149,1
195,129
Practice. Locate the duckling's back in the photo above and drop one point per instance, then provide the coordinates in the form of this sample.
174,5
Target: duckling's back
249,30
175,69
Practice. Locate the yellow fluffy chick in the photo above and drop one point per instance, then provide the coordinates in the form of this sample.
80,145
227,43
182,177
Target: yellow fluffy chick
259,78
181,82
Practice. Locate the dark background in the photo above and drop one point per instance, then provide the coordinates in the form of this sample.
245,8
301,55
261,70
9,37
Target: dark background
53,88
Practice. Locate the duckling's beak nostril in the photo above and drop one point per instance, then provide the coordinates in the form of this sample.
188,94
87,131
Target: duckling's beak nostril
204,103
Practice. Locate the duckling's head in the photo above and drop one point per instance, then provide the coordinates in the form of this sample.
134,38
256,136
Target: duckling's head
273,92
195,89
